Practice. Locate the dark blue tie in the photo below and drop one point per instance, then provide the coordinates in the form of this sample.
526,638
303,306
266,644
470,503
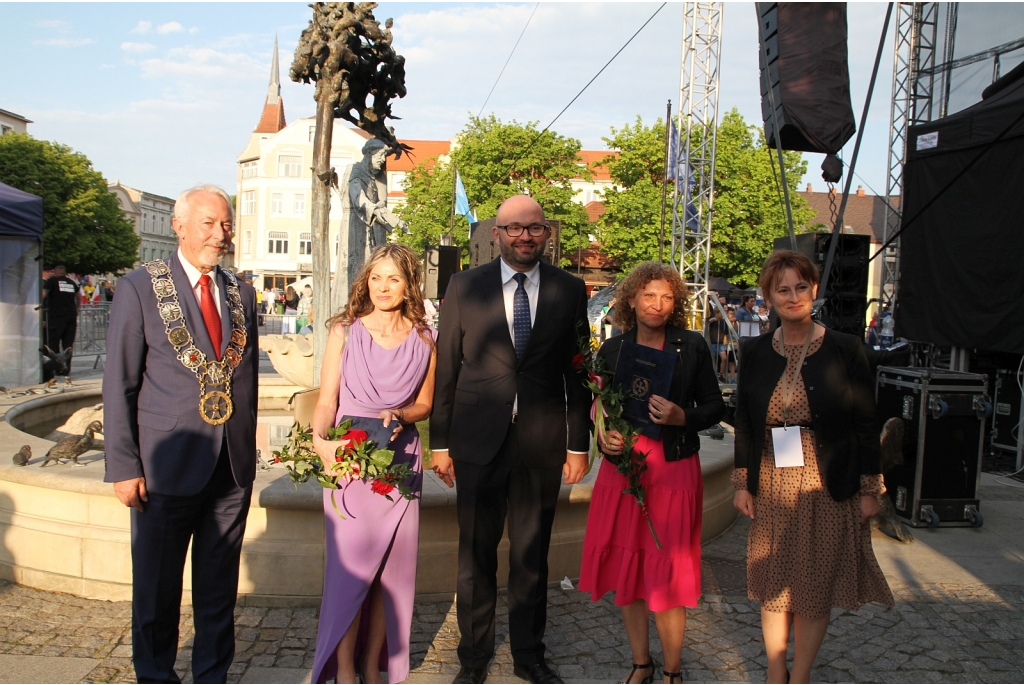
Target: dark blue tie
521,317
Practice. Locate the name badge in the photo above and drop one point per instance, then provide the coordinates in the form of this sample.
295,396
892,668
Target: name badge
789,450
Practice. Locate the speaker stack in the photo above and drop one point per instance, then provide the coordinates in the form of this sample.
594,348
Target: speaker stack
440,262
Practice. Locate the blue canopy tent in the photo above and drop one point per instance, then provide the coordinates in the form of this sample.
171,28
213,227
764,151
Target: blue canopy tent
21,244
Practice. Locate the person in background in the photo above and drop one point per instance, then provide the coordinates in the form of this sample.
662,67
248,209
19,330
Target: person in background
718,335
305,307
807,471
746,312
269,297
619,552
291,301
60,296
108,291
729,345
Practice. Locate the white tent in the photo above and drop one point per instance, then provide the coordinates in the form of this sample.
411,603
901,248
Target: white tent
21,242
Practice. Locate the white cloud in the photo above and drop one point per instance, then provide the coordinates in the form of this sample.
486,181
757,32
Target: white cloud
53,24
137,48
142,27
170,27
194,30
190,62
64,42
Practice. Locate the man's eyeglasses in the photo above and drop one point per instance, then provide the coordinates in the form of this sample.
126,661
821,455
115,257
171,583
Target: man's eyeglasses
516,230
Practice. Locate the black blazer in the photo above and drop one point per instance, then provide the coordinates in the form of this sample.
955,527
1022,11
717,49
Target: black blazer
840,391
479,376
694,387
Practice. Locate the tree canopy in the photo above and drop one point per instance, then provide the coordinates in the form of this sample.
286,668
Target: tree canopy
748,212
487,155
84,229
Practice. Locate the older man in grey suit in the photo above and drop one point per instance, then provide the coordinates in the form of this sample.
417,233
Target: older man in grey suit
179,395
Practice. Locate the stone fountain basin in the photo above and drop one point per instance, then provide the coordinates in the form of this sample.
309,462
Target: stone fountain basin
61,528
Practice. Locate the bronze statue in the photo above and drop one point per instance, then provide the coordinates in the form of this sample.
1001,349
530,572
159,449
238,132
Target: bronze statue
349,56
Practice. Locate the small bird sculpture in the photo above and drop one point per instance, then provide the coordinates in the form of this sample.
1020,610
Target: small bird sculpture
73,446
22,456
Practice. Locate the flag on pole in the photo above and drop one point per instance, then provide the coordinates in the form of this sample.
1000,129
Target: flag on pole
462,200
673,152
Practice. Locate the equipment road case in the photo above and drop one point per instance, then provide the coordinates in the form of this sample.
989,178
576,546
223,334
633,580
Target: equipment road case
1008,420
944,414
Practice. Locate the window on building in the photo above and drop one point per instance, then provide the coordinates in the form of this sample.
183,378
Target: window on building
163,227
249,202
312,133
289,165
276,203
4,130
248,169
305,243
247,245
277,242
299,209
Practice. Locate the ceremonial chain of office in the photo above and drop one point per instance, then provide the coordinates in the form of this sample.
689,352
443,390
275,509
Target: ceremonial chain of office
215,405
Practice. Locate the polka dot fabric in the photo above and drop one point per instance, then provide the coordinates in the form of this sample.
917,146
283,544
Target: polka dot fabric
806,552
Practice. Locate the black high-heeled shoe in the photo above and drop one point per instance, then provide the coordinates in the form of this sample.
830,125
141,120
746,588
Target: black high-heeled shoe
676,677
641,667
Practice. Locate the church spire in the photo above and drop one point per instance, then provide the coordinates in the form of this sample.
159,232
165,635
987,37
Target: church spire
272,120
274,91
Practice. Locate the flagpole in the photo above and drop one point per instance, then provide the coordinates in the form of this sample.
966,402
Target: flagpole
447,240
664,180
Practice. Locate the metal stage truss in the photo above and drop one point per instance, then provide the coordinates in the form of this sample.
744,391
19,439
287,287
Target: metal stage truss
693,199
913,80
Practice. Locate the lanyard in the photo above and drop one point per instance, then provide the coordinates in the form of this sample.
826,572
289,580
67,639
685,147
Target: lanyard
787,387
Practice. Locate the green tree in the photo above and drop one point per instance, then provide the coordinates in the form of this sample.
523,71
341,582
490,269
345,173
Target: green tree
630,229
487,154
748,213
84,229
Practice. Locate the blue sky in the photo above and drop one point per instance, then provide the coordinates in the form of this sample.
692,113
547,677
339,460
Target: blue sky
164,95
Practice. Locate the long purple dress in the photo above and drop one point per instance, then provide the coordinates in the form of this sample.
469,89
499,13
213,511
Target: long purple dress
378,538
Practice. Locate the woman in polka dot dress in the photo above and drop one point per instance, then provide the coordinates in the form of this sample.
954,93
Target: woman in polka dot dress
807,471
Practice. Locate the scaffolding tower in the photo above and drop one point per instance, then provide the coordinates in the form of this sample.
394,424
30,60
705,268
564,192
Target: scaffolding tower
693,199
913,81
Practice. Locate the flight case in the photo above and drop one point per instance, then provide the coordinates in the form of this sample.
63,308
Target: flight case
944,419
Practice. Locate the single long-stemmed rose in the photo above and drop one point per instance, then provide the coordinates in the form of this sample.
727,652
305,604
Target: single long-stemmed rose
606,414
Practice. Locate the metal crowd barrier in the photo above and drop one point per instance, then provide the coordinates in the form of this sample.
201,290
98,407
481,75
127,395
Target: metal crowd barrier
277,324
91,334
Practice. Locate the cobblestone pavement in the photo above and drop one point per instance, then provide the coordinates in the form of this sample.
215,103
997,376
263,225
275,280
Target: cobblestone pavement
941,633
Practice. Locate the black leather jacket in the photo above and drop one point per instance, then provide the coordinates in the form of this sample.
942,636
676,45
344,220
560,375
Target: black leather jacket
694,387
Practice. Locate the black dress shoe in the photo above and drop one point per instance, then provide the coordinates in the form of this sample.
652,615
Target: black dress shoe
470,675
536,673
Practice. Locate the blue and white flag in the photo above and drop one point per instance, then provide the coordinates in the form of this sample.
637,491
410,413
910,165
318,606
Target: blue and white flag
462,200
673,152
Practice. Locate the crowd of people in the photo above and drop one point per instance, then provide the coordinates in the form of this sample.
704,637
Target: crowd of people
510,422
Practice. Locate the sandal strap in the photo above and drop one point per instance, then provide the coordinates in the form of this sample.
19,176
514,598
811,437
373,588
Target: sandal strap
640,667
672,676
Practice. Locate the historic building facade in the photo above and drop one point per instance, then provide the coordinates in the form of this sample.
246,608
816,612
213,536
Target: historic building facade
12,123
151,215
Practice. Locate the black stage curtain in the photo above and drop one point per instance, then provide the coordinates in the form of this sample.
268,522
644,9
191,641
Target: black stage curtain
962,260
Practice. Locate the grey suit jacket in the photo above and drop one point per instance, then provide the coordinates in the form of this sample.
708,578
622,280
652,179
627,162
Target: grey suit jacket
152,424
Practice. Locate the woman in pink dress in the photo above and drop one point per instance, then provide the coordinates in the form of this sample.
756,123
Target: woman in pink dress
619,552
378,363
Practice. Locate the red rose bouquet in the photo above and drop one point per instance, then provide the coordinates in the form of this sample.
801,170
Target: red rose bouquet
360,459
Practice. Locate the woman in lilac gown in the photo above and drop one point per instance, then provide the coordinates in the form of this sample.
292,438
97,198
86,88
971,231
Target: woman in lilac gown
378,363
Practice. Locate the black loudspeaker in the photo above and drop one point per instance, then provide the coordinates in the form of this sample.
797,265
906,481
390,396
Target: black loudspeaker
482,248
440,262
847,298
805,45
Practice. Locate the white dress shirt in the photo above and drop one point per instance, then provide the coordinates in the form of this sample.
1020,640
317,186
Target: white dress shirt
194,275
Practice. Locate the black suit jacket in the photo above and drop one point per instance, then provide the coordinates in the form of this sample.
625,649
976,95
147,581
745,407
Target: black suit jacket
694,387
478,375
840,391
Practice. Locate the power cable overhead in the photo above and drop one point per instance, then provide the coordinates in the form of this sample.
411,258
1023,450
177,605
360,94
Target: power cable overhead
512,166
508,60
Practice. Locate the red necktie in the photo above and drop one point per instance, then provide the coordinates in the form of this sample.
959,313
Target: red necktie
210,315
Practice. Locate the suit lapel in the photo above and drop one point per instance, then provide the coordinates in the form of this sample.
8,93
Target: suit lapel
190,309
225,312
547,299
495,307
